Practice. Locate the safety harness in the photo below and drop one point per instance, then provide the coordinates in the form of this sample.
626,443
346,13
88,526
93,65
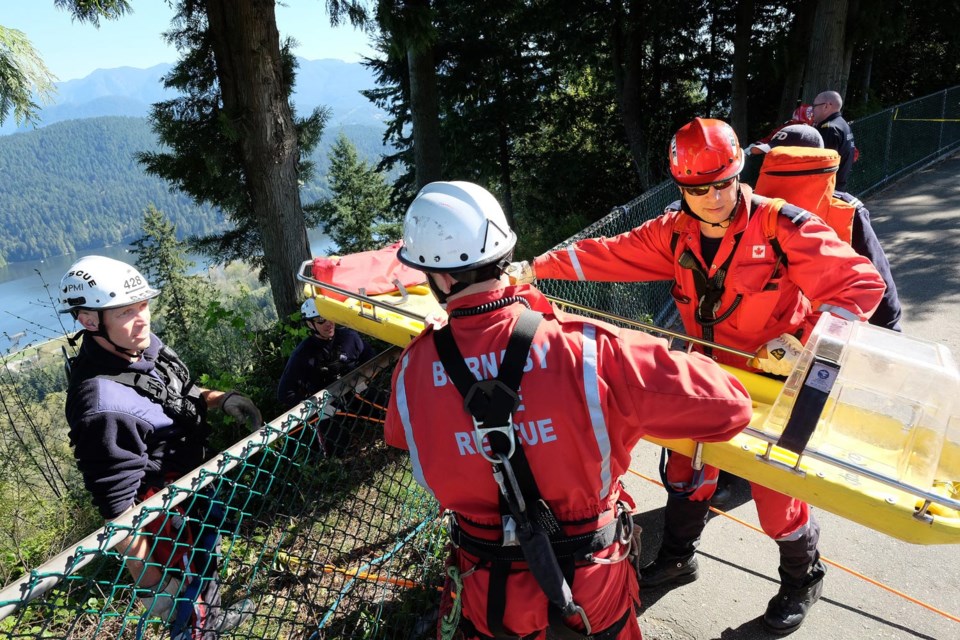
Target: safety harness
531,532
180,399
178,396
710,290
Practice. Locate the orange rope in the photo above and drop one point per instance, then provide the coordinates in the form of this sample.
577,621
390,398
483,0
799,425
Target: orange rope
825,559
366,575
362,399
353,415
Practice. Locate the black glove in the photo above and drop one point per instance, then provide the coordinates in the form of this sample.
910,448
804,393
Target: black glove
241,408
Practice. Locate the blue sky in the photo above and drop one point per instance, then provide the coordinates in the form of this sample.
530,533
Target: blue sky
72,50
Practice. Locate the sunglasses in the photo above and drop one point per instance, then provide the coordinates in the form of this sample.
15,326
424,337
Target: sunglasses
705,189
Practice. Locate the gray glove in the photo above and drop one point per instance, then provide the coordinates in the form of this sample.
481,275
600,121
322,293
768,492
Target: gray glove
160,604
520,273
241,408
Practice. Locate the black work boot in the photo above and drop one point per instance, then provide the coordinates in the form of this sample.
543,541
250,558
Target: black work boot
801,581
675,564
787,610
669,572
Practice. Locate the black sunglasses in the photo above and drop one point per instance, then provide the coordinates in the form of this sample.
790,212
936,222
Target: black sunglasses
703,190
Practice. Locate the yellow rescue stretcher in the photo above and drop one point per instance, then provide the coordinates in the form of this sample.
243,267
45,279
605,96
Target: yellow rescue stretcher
841,485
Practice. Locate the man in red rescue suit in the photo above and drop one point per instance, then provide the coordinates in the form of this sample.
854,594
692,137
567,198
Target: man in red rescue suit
589,392
732,286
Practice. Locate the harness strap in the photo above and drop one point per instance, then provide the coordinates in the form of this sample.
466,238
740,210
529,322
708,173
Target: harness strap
710,290
610,633
524,512
580,548
695,482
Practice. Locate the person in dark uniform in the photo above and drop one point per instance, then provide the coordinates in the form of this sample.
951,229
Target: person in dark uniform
835,132
328,353
322,357
137,423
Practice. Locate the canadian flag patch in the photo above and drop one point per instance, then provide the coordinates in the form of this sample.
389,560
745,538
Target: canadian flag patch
759,250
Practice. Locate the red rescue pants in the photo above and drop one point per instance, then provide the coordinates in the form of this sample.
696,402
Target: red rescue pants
605,591
780,515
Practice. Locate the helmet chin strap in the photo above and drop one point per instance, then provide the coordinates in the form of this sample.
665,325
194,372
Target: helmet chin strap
442,295
723,224
102,332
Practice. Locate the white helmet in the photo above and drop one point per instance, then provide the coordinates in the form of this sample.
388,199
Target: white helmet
97,283
454,226
308,310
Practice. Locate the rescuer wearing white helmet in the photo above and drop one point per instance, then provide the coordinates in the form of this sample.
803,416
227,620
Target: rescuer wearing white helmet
530,473
137,422
329,352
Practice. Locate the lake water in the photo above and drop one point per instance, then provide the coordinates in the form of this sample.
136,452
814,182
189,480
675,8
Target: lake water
27,309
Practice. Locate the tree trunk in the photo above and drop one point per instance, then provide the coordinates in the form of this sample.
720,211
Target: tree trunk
741,67
425,115
246,47
627,57
506,176
866,73
827,47
850,43
424,104
796,58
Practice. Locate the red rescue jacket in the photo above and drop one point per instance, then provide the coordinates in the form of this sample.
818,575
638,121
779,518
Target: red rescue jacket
819,270
590,391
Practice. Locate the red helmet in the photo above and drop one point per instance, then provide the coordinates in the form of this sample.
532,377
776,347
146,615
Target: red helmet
803,114
703,152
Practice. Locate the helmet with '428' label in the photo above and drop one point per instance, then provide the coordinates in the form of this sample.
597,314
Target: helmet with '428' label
97,283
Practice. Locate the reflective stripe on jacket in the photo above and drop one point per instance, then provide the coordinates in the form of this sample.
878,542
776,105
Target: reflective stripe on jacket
588,394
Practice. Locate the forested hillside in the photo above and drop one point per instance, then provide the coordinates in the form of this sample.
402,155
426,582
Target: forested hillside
75,185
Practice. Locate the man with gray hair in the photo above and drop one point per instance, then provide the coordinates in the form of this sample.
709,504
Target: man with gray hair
835,131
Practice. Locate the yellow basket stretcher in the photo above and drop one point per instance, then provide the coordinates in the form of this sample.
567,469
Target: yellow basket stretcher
849,490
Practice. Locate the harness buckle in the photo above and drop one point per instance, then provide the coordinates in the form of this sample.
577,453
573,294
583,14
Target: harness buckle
481,432
583,618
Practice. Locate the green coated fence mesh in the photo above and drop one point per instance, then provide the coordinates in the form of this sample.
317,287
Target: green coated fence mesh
322,528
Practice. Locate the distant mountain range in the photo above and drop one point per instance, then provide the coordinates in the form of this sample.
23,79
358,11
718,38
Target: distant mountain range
126,91
72,184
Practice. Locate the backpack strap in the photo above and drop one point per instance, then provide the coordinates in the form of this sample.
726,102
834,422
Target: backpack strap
770,209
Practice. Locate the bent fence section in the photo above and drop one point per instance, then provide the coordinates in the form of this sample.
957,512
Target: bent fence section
323,528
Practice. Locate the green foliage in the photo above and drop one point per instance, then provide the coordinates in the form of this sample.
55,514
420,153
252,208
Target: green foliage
23,75
75,186
92,10
162,258
42,502
358,216
78,184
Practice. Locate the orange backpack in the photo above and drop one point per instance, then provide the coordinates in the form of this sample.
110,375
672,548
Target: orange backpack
806,178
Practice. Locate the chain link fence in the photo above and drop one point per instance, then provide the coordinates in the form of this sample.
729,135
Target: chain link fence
321,525
322,530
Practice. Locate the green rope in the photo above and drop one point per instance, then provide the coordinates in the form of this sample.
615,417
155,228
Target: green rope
451,621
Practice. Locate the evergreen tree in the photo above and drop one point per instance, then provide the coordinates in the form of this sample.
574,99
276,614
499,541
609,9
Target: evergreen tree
23,75
163,260
235,139
358,216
